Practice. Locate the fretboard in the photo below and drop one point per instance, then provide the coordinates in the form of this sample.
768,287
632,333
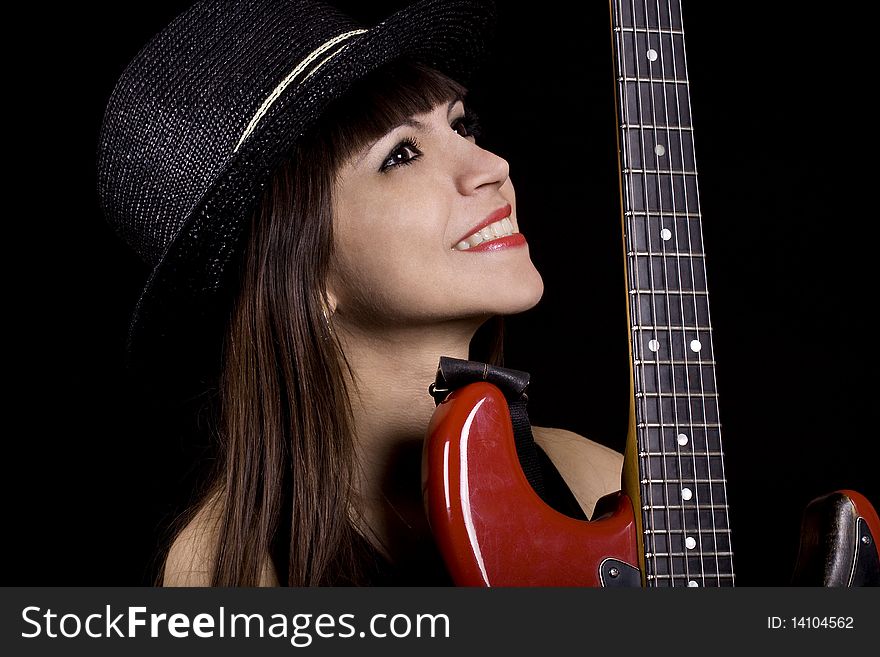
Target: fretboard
678,432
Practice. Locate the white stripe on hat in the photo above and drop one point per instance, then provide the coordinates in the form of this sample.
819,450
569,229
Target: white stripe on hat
317,52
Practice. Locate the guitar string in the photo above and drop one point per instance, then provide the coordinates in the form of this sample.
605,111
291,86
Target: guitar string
677,221
681,295
656,238
712,350
703,399
649,515
641,57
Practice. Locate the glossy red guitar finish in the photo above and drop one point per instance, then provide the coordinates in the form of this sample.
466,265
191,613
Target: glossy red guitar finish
490,526
865,510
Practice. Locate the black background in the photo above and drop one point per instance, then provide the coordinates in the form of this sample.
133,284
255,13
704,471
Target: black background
784,137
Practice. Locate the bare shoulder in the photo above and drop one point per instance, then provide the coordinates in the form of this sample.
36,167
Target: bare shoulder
192,554
194,551
590,469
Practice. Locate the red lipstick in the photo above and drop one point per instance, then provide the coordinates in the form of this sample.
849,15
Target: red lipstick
498,215
516,239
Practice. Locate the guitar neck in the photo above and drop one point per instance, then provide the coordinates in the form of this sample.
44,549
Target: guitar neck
685,532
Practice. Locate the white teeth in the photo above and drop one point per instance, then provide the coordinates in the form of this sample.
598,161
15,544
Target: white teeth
493,231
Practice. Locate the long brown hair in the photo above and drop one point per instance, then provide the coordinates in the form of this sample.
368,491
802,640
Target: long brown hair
282,484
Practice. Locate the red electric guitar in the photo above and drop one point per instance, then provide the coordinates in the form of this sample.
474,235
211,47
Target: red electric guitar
669,524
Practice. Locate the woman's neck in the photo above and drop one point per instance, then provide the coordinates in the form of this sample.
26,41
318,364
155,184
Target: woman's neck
391,410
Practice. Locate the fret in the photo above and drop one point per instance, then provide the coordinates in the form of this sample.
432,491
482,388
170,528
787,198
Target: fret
640,395
668,327
654,172
685,519
657,308
629,14
670,480
629,78
697,395
709,541
706,544
681,465
665,293
654,126
712,507
655,101
698,454
687,531
725,553
713,492
685,273
707,566
618,30
683,576
682,215
644,326
652,54
652,410
671,362
714,570
659,146
666,254
679,380
653,232
660,193
668,439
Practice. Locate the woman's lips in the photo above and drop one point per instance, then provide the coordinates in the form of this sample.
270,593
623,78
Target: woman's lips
517,239
494,232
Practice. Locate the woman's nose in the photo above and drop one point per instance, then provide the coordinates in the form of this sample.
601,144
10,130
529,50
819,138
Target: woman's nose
479,167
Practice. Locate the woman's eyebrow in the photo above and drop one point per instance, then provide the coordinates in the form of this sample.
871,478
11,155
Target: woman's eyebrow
409,122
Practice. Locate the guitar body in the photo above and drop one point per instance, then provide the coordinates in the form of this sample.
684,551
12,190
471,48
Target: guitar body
494,529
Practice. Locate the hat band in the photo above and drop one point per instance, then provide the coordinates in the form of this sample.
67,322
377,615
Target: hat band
296,72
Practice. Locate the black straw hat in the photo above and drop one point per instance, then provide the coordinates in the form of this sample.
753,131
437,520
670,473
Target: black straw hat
206,112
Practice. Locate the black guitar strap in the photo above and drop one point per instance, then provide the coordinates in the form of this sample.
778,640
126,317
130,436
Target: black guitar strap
454,373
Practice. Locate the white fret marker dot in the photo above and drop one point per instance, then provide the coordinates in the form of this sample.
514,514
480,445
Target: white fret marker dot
682,439
652,54
654,345
695,345
692,583
686,493
666,234
660,150
690,543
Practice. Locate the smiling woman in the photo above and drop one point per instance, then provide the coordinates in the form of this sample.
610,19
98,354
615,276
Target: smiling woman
315,252
403,207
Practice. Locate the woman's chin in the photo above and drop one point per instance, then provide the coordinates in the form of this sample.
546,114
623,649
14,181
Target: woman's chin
520,297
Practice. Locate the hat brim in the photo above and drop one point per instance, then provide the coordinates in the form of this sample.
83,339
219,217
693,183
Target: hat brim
175,333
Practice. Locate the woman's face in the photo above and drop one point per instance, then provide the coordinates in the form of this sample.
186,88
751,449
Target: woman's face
405,212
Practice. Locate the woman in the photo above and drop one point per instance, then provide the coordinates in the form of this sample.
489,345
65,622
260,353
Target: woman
331,229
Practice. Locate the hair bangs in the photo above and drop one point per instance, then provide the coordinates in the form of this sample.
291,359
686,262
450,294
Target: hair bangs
383,100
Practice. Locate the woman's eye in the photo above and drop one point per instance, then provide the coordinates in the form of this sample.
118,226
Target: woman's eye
406,152
467,126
